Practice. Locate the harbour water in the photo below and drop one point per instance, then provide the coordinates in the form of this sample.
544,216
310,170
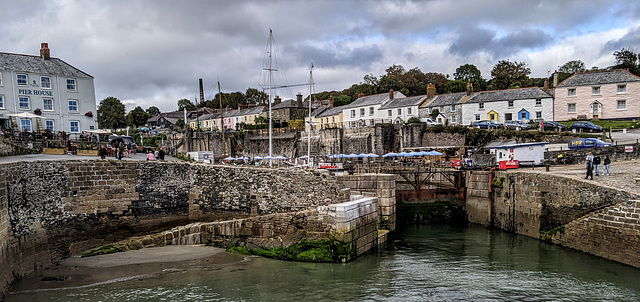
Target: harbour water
423,263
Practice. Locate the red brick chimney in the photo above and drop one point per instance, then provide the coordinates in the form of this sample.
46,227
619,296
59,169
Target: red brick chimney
360,95
330,103
431,90
469,88
391,94
44,51
546,84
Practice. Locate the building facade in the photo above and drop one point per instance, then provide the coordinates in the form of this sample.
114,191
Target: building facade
364,111
61,95
602,94
523,104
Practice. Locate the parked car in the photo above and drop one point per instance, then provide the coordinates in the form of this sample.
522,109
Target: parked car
587,143
517,125
429,121
486,125
586,127
554,126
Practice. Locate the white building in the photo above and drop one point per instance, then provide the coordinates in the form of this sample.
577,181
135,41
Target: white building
533,153
61,94
522,104
364,111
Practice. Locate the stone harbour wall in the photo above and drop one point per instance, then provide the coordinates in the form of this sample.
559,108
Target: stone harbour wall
382,186
612,233
53,210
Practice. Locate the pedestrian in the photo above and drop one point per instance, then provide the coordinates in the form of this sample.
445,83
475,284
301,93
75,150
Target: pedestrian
596,164
102,152
589,170
119,154
150,156
161,154
607,162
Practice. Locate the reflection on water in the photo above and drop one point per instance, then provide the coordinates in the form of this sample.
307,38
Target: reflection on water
424,263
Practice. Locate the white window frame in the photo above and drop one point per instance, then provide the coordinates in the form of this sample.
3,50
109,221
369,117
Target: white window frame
72,85
390,113
538,114
25,123
571,92
1,79
362,111
538,102
624,105
20,98
52,125
595,90
510,104
477,117
26,79
452,108
480,106
42,81
77,126
571,106
371,111
2,101
353,113
77,106
399,111
453,119
409,111
622,88
44,104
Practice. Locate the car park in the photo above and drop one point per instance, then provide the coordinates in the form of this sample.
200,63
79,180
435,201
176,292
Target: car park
517,125
587,143
486,125
585,127
553,126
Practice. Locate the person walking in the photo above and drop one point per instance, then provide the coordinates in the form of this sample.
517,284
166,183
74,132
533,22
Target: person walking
596,164
102,152
607,162
589,169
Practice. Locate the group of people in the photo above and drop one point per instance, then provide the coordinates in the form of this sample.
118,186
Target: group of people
122,151
593,163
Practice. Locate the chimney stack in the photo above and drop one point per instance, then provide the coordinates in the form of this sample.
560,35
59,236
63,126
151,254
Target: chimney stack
201,91
546,84
330,103
299,99
44,51
360,95
276,100
431,90
391,94
469,88
555,78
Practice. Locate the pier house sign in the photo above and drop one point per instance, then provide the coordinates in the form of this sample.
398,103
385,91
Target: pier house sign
35,92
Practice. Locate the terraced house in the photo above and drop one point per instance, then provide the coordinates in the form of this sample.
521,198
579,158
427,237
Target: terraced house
524,104
364,110
602,94
61,95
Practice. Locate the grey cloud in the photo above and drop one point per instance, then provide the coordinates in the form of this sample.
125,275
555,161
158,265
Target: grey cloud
332,55
476,40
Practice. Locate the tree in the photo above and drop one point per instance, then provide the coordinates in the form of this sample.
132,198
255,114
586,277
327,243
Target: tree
111,114
153,111
455,86
470,73
434,113
256,97
186,104
627,59
508,74
572,67
137,117
341,100
438,79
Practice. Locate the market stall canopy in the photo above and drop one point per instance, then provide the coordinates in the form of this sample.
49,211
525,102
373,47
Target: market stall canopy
372,155
280,157
402,154
390,154
100,132
25,115
433,153
229,158
352,155
257,157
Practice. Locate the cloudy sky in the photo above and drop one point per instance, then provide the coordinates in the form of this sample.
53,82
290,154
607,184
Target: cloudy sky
152,53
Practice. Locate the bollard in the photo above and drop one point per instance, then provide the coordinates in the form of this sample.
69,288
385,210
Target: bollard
546,167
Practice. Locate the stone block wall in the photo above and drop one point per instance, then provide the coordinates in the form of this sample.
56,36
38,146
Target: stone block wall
382,186
52,210
615,153
477,204
612,233
356,223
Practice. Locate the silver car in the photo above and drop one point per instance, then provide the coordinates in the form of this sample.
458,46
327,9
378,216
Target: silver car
517,125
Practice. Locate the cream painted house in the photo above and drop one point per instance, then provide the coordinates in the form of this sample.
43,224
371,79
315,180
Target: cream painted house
524,104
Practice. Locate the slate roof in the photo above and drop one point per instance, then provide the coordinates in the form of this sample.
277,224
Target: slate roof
331,111
315,113
599,77
252,110
36,64
446,99
376,99
290,103
404,102
509,95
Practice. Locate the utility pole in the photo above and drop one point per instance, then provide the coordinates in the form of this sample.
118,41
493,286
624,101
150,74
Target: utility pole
224,147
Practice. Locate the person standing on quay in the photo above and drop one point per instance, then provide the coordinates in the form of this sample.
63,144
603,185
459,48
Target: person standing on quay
607,162
589,168
596,164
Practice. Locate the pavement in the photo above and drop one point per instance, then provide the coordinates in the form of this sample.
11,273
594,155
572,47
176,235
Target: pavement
54,157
